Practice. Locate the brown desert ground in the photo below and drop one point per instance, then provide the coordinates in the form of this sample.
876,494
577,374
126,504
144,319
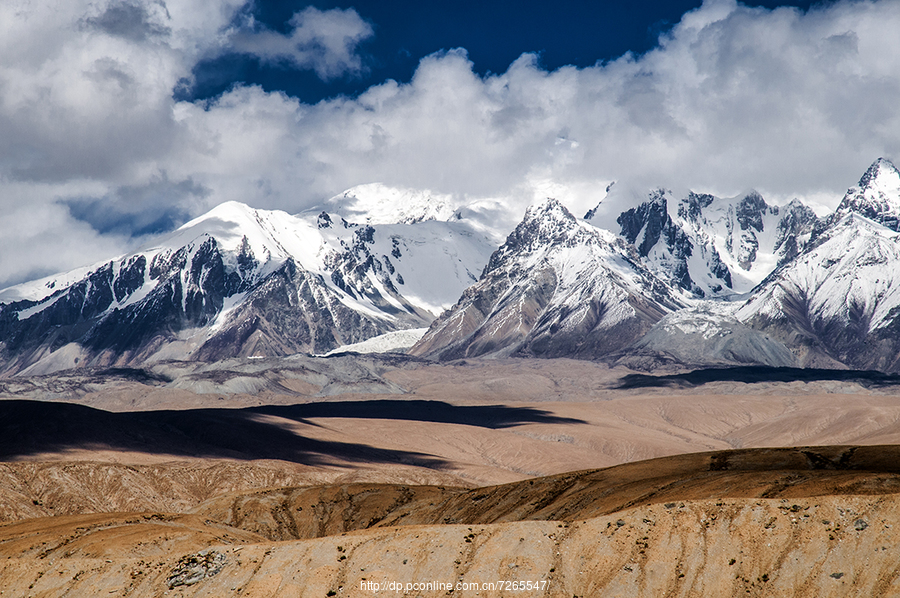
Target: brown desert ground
324,477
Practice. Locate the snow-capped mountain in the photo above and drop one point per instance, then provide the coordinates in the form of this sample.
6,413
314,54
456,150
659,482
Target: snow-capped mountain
377,203
838,302
557,287
238,281
875,196
644,280
709,246
829,294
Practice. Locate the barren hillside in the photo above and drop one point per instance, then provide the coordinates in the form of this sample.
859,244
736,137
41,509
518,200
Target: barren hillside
792,522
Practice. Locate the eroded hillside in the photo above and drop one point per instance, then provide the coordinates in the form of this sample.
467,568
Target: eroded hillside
767,522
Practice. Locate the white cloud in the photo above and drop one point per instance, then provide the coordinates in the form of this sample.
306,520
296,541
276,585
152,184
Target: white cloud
321,40
788,102
38,237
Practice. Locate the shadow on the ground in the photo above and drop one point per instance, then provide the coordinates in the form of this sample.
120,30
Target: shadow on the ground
35,427
753,374
484,416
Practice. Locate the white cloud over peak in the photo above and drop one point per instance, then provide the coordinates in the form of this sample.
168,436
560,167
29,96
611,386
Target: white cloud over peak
789,102
321,40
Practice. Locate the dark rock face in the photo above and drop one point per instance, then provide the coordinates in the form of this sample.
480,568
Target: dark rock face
131,277
719,269
353,268
650,217
68,316
679,245
173,305
797,223
184,295
749,212
691,208
745,220
649,227
534,300
749,216
247,262
711,242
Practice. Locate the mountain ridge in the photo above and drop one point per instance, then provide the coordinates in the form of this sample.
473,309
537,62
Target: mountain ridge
557,286
832,300
237,282
776,285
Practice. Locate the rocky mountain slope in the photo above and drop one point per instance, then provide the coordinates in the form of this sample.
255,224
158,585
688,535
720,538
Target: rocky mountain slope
557,286
242,282
704,335
838,302
829,298
875,196
239,282
707,245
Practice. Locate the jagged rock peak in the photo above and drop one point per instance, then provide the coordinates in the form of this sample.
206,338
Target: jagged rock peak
549,207
877,195
691,208
750,210
882,173
557,287
651,218
544,223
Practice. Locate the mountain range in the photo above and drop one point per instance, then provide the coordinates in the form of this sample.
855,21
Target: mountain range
646,280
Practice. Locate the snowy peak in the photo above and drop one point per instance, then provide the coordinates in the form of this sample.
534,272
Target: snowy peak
838,301
549,228
557,287
377,203
269,235
881,176
678,245
544,223
712,246
877,196
550,210
242,281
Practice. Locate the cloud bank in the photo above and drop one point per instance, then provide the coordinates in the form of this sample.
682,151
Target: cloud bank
95,150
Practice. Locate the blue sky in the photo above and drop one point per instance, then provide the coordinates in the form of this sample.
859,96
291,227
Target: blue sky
120,119
564,32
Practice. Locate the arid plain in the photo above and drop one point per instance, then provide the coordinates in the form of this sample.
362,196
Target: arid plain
306,476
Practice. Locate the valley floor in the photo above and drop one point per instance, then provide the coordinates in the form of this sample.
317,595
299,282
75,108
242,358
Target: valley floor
114,483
